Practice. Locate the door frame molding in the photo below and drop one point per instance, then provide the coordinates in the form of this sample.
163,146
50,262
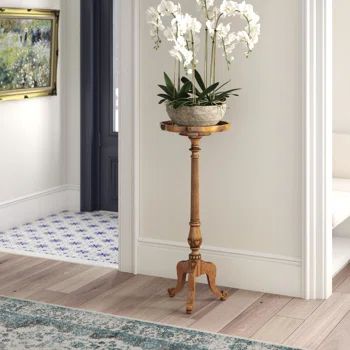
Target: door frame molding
316,75
129,136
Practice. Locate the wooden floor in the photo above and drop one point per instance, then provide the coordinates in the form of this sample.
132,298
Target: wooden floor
323,325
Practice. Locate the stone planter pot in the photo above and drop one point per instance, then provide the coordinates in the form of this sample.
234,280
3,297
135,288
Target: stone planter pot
197,115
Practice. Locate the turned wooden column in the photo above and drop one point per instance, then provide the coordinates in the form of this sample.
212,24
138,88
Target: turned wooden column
195,235
195,266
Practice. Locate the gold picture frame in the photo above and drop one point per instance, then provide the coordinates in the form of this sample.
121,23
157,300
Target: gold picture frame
28,53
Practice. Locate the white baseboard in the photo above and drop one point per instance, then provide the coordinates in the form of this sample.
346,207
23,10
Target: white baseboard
30,207
237,269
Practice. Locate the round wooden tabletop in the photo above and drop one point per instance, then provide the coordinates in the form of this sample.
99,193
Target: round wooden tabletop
195,130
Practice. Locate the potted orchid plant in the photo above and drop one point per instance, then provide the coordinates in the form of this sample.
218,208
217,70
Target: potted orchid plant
193,98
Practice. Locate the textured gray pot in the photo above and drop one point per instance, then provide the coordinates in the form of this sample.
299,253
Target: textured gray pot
197,115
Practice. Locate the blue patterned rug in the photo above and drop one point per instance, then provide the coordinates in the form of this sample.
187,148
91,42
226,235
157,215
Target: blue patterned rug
29,325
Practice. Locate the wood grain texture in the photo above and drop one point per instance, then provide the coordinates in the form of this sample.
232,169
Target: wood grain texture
322,325
341,277
224,313
78,280
344,287
339,338
258,314
204,303
277,329
299,308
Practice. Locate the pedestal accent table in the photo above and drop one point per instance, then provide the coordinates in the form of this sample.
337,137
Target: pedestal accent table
195,266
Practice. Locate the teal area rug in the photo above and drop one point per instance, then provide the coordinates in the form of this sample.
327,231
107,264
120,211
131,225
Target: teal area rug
29,325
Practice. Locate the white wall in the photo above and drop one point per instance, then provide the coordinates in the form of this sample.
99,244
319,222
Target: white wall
250,176
341,93
71,105
341,71
341,89
36,135
31,136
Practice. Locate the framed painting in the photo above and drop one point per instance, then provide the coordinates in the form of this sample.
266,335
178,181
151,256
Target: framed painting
28,53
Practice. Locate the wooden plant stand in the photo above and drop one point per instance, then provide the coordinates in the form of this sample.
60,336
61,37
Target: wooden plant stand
195,266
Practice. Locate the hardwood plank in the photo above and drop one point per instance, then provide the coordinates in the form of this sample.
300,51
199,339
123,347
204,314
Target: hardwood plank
92,290
321,323
258,314
157,306
226,311
341,277
57,272
300,308
79,280
4,258
344,287
339,338
205,302
26,274
18,267
47,296
127,294
277,329
162,308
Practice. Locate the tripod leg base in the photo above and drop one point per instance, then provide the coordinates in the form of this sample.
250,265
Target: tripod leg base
195,269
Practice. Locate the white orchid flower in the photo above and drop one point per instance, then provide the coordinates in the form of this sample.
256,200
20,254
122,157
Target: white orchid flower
223,31
211,27
182,31
186,24
168,7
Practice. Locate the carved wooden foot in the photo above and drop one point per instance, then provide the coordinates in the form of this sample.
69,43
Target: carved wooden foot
209,269
182,269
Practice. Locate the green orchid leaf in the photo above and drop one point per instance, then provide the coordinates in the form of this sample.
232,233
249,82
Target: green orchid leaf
210,89
170,85
185,80
165,89
186,88
224,84
167,97
199,80
185,96
229,91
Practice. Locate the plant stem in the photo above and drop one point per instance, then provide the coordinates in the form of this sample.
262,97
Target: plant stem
212,59
179,75
175,63
215,48
226,55
206,58
213,52
193,70
193,84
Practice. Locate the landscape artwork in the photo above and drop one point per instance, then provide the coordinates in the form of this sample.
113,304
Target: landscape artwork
27,46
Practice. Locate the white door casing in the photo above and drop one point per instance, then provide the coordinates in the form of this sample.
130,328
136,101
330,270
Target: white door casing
129,135
317,147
